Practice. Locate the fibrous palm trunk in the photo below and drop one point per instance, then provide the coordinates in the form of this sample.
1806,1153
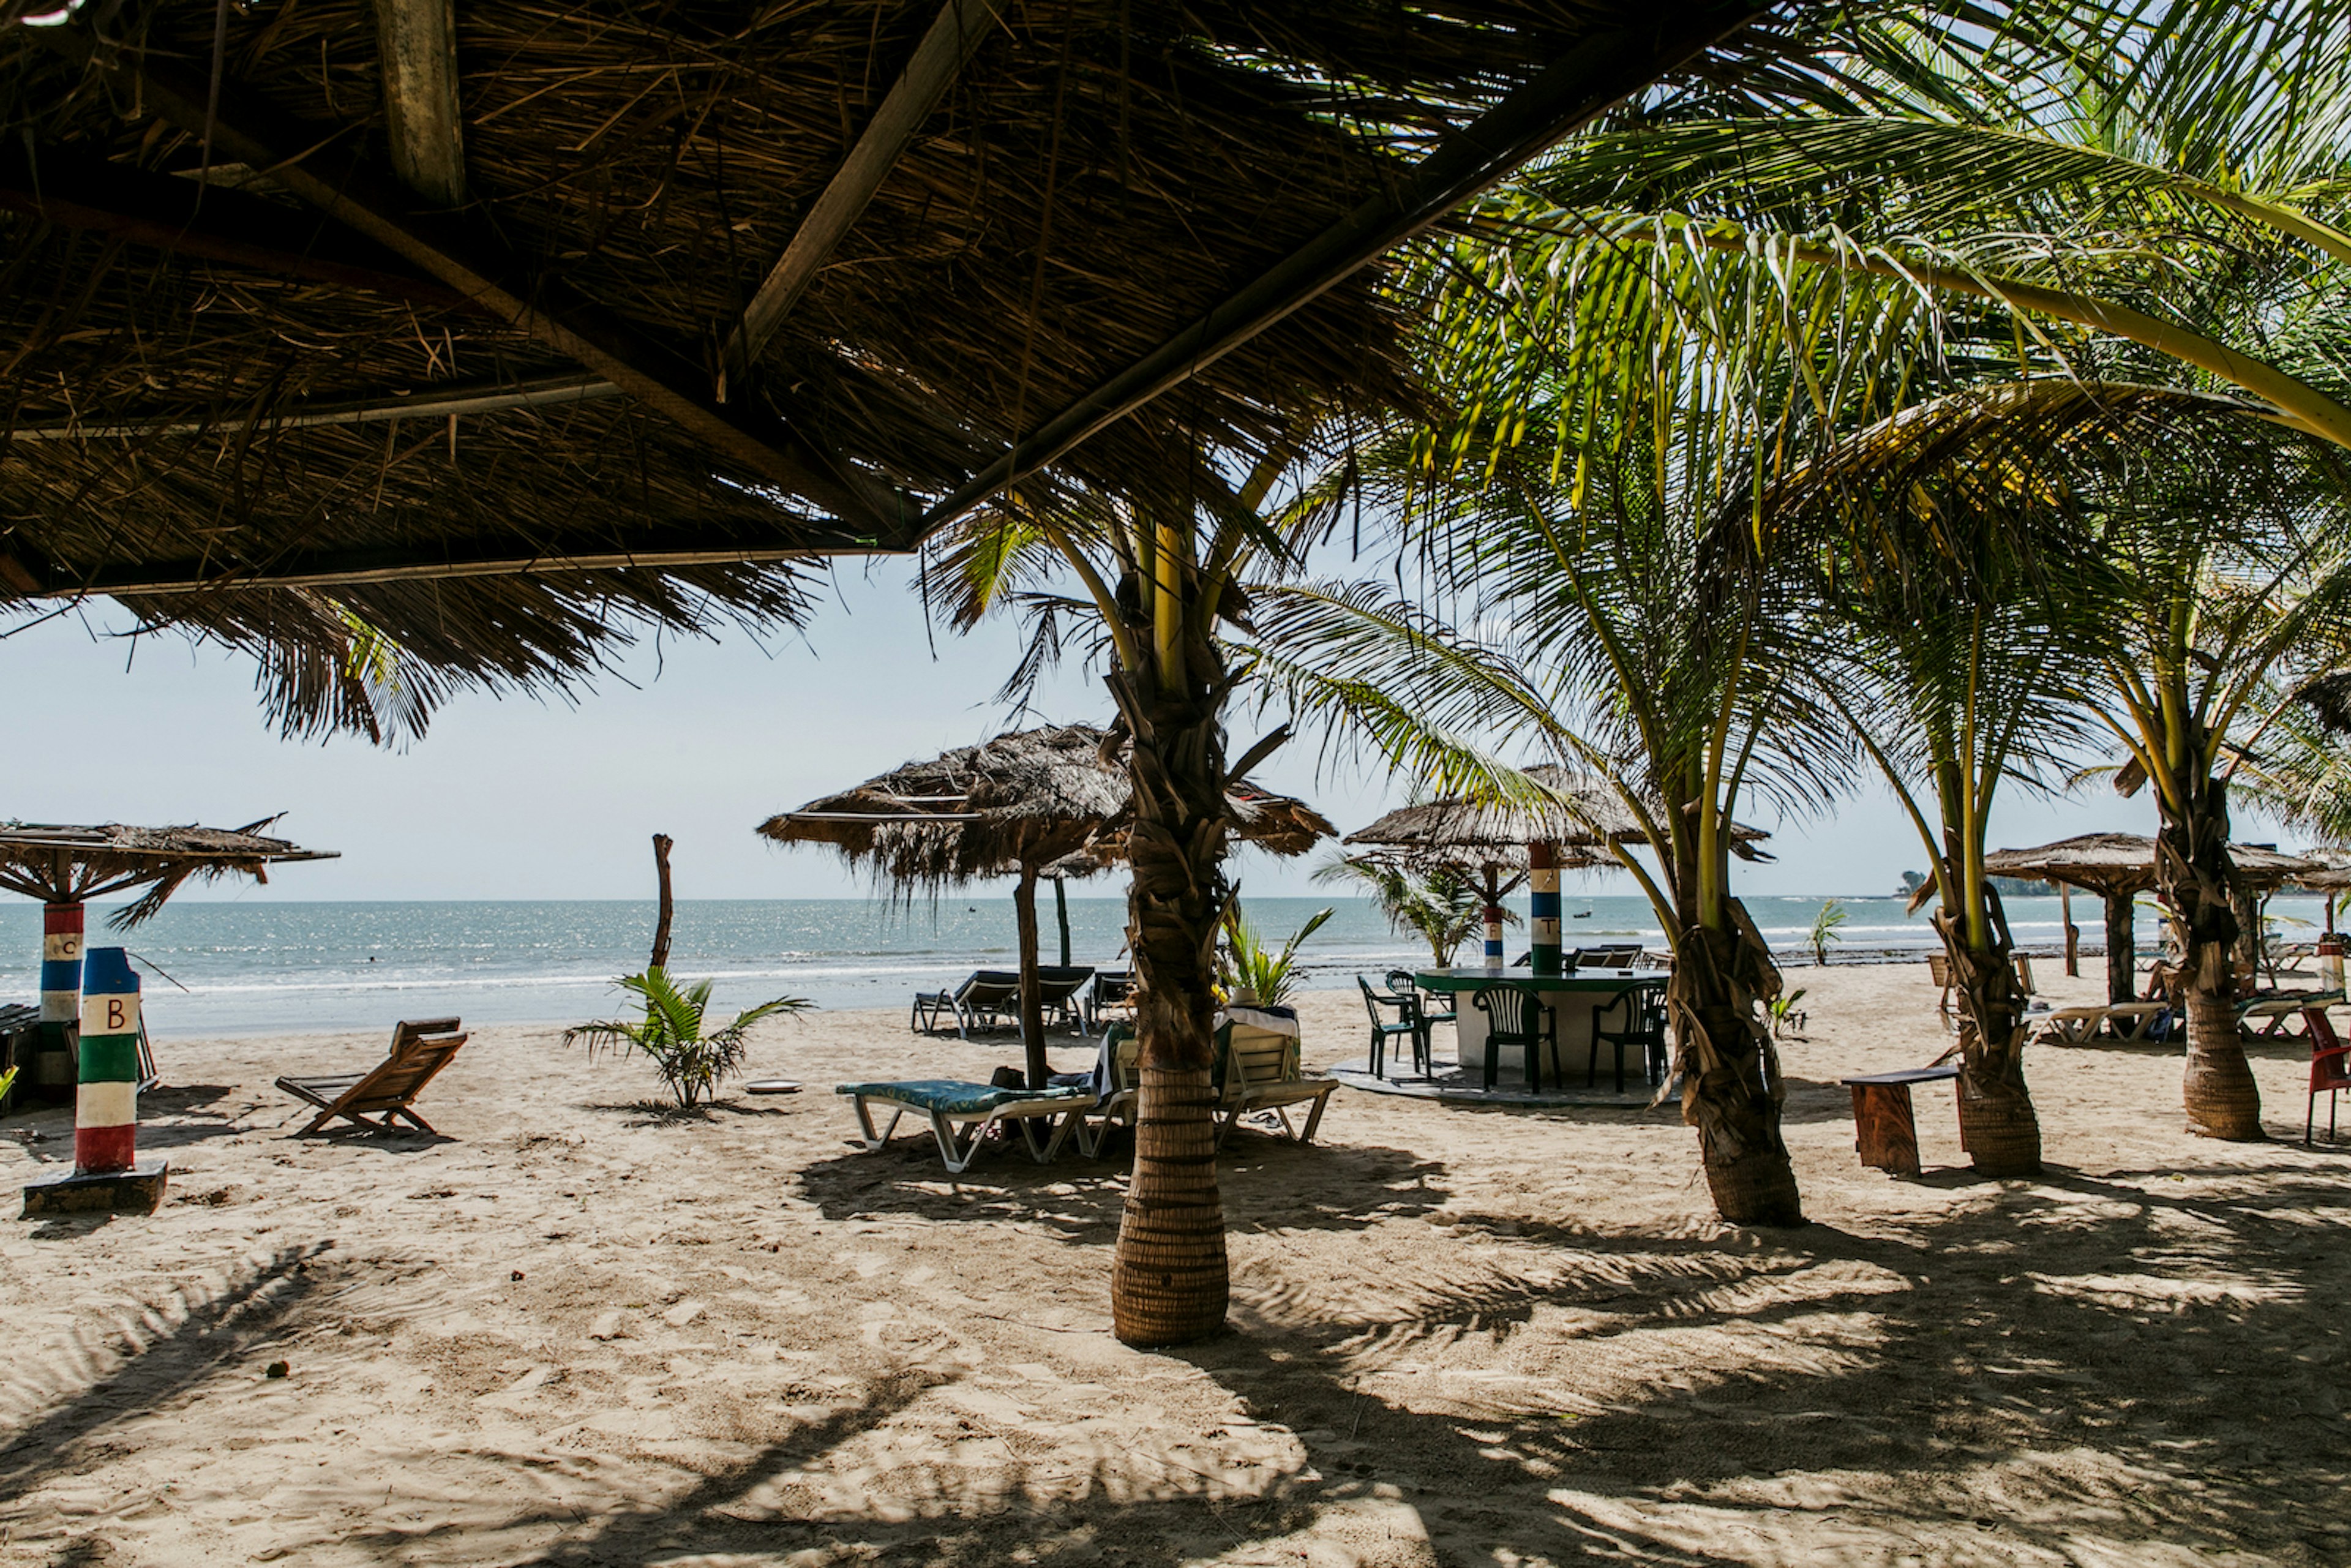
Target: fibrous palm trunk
1997,1122
1032,988
1731,1091
2191,864
1170,1283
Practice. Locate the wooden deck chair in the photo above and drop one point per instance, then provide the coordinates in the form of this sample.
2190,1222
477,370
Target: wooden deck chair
419,1050
1262,1073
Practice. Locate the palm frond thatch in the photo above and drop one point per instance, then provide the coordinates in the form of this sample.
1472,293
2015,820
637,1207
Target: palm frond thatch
60,864
1583,817
1054,800
2125,862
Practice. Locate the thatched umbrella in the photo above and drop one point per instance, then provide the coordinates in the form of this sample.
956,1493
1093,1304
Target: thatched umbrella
65,867
1483,840
1039,802
2120,866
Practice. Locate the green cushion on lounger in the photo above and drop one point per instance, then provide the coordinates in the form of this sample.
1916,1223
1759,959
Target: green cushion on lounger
952,1096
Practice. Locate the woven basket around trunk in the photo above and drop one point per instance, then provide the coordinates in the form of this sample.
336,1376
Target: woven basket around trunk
2218,1087
2001,1134
1757,1189
1170,1282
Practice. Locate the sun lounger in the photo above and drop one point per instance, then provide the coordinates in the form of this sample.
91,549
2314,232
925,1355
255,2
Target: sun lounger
419,1051
961,1114
990,998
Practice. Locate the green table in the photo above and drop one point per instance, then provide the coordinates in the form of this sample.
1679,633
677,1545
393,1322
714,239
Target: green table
1572,1000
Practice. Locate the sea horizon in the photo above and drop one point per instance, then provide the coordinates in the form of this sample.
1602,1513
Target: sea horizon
215,967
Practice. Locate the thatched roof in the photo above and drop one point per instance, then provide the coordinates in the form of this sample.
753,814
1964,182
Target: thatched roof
72,864
1050,799
468,343
2125,862
1457,831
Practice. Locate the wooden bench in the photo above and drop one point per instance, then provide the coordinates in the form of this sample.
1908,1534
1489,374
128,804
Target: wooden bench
1886,1132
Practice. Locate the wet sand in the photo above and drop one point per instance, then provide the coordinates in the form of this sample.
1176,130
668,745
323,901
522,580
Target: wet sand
578,1329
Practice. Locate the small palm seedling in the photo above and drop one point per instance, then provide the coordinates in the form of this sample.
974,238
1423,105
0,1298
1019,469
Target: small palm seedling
1826,930
1251,968
1787,1018
672,1033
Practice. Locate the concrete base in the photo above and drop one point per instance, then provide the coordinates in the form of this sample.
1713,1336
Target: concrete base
139,1190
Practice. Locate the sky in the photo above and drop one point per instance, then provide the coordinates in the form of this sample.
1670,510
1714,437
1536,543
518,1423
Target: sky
517,799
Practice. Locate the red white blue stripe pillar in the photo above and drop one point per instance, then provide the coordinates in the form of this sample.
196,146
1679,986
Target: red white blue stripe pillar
1542,906
52,1077
106,1108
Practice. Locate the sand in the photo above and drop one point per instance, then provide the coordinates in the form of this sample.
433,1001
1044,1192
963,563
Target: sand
576,1330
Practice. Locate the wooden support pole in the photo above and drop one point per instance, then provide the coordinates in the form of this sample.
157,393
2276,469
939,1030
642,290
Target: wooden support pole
2072,931
661,923
1033,985
1061,916
2121,946
417,43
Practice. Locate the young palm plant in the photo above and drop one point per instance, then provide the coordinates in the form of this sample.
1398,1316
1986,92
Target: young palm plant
1440,905
675,1034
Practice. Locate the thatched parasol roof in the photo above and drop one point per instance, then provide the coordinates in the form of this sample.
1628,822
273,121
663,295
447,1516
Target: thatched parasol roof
1458,831
467,333
2125,862
1049,799
71,865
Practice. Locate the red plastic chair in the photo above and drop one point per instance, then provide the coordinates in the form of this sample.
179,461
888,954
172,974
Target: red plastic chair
2330,1069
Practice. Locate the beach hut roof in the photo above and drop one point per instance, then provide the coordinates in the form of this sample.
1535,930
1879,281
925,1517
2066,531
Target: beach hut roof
1455,830
59,864
551,319
1055,800
2125,862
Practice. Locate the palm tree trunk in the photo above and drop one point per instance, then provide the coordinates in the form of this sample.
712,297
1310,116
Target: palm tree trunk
1170,1283
1998,1124
1731,1091
2191,864
1033,985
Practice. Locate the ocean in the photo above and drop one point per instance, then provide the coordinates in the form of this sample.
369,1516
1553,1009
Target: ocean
261,967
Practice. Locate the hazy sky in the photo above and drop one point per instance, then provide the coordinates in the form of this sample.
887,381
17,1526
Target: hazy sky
525,799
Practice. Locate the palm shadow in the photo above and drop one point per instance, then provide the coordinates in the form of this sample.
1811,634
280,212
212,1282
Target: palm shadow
1265,1181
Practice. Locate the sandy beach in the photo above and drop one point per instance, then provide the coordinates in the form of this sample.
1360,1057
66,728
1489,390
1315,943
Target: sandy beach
576,1329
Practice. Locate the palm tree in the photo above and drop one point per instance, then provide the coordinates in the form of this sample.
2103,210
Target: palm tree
1438,903
1160,576
1653,629
2211,572
2161,206
1960,648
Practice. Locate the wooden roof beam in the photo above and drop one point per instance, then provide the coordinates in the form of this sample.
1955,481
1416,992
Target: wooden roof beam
459,253
1603,71
78,192
28,576
417,42
949,42
444,402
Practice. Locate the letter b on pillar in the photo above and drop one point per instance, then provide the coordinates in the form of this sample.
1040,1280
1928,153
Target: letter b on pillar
105,1103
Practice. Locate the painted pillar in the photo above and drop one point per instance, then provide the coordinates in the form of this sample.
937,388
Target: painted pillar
52,1075
106,1108
1542,906
1493,922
